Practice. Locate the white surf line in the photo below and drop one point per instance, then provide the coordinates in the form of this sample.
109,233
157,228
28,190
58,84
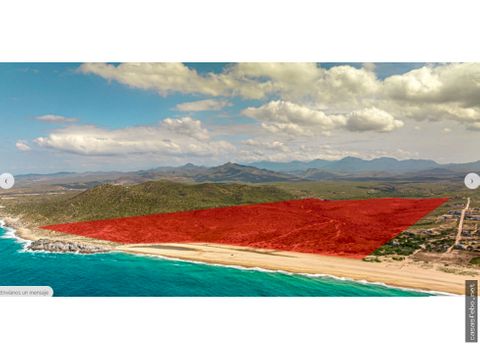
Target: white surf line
11,233
284,272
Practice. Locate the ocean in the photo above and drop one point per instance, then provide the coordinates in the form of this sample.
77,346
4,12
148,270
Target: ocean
119,274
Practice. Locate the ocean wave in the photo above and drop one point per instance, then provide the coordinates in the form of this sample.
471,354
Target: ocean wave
11,233
289,273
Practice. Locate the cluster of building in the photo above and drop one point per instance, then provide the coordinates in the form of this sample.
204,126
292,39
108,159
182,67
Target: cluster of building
470,234
443,236
452,237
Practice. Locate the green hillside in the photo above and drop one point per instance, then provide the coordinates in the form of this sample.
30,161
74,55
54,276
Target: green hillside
231,172
109,201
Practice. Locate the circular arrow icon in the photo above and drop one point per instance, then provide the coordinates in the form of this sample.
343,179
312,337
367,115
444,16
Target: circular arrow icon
6,181
472,181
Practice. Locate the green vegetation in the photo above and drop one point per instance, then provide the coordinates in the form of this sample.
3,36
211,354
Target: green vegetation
109,201
475,260
455,191
404,244
241,173
457,271
439,246
341,189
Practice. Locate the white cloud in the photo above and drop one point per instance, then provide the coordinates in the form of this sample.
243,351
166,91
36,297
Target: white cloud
257,150
284,116
372,119
175,137
457,83
474,126
298,82
442,92
292,81
188,127
432,92
274,145
22,145
52,118
346,86
203,105
288,129
167,78
295,119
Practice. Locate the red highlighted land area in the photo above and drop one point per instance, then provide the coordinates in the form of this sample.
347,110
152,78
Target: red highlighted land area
350,228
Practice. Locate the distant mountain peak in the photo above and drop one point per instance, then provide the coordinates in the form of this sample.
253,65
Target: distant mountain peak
243,173
190,166
351,158
351,164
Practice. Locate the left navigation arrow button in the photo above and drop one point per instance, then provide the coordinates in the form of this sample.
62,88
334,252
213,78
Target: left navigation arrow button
7,181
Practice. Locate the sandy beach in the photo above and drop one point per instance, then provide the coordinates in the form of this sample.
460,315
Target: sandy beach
405,274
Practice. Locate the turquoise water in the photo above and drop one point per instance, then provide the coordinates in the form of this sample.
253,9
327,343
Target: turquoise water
117,274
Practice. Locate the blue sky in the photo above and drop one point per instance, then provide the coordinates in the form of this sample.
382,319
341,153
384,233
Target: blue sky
280,112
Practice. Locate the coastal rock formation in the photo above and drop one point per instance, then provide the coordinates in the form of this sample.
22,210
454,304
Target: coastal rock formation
66,246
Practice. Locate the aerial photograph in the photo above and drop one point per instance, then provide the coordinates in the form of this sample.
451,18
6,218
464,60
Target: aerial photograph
240,179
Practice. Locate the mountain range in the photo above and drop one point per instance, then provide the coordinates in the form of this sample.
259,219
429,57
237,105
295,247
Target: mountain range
353,164
348,168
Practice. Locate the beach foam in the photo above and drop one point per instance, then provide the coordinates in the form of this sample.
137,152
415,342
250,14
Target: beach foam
288,273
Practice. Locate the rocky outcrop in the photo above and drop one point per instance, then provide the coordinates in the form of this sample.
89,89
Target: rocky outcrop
66,246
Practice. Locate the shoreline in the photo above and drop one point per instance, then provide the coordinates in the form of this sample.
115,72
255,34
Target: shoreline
404,275
41,240
239,267
12,231
310,275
